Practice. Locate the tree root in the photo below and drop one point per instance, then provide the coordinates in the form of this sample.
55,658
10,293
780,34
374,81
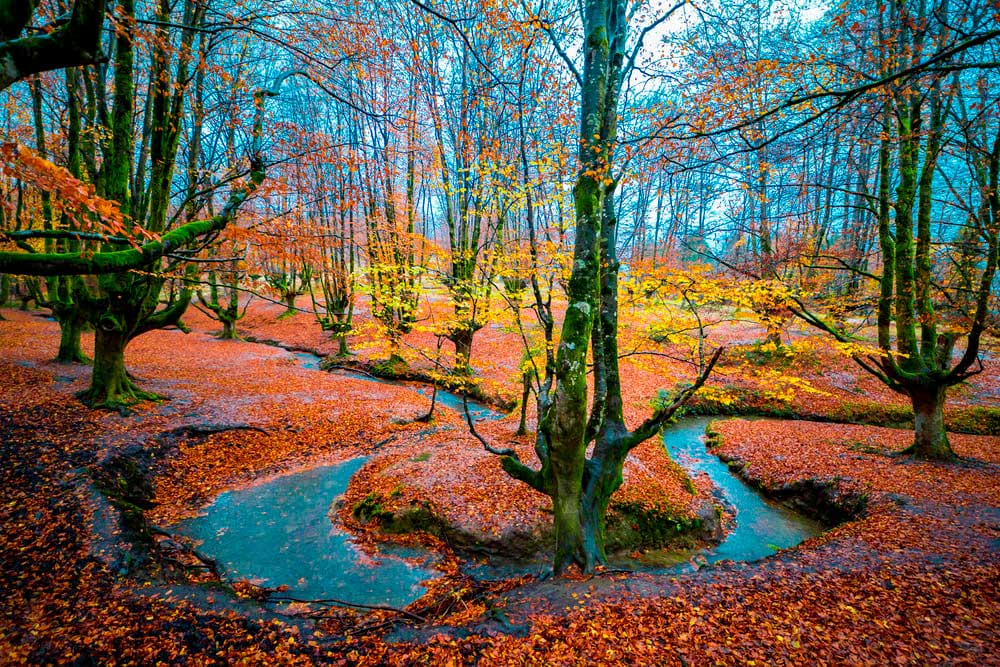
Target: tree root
120,402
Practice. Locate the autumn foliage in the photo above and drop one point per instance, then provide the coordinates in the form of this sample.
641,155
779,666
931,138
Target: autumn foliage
913,570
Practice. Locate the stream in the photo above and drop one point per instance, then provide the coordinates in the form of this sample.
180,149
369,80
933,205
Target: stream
280,533
762,526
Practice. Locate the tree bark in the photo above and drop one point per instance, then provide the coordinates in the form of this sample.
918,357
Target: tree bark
289,299
461,338
110,385
930,439
602,479
70,327
567,512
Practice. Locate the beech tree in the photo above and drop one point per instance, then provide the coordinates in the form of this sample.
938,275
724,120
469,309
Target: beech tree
884,81
124,300
916,338
569,419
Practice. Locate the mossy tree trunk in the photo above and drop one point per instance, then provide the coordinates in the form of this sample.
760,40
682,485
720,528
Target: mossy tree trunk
921,366
289,298
110,385
461,337
72,322
580,487
123,302
930,439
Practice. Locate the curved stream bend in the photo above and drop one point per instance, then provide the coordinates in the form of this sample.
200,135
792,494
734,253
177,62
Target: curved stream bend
279,533
762,526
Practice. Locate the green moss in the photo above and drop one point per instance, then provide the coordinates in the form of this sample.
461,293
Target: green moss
632,525
864,447
417,518
869,412
393,368
370,508
977,420
749,403
766,354
420,458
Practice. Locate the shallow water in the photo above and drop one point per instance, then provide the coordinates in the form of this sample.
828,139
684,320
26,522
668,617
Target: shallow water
279,533
762,526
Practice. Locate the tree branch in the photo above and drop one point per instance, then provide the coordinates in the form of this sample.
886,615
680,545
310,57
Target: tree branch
653,424
74,43
56,264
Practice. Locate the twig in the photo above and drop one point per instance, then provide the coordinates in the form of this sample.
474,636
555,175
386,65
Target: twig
334,602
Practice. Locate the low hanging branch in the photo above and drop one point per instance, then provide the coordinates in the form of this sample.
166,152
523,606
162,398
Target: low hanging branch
65,264
663,414
506,451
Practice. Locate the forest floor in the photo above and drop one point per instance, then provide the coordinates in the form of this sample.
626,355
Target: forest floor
909,577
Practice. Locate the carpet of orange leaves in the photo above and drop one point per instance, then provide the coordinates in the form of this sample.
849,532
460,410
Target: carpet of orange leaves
842,390
912,581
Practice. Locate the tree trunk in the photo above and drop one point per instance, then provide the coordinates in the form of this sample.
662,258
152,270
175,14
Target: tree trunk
70,349
526,377
930,439
342,350
774,338
26,298
603,479
594,517
289,299
110,385
228,329
461,337
567,517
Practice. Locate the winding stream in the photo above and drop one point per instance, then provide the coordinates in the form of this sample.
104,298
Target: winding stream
762,526
280,534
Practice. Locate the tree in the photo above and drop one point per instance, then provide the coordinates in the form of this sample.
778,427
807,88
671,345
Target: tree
223,301
882,82
916,341
466,116
123,303
568,423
